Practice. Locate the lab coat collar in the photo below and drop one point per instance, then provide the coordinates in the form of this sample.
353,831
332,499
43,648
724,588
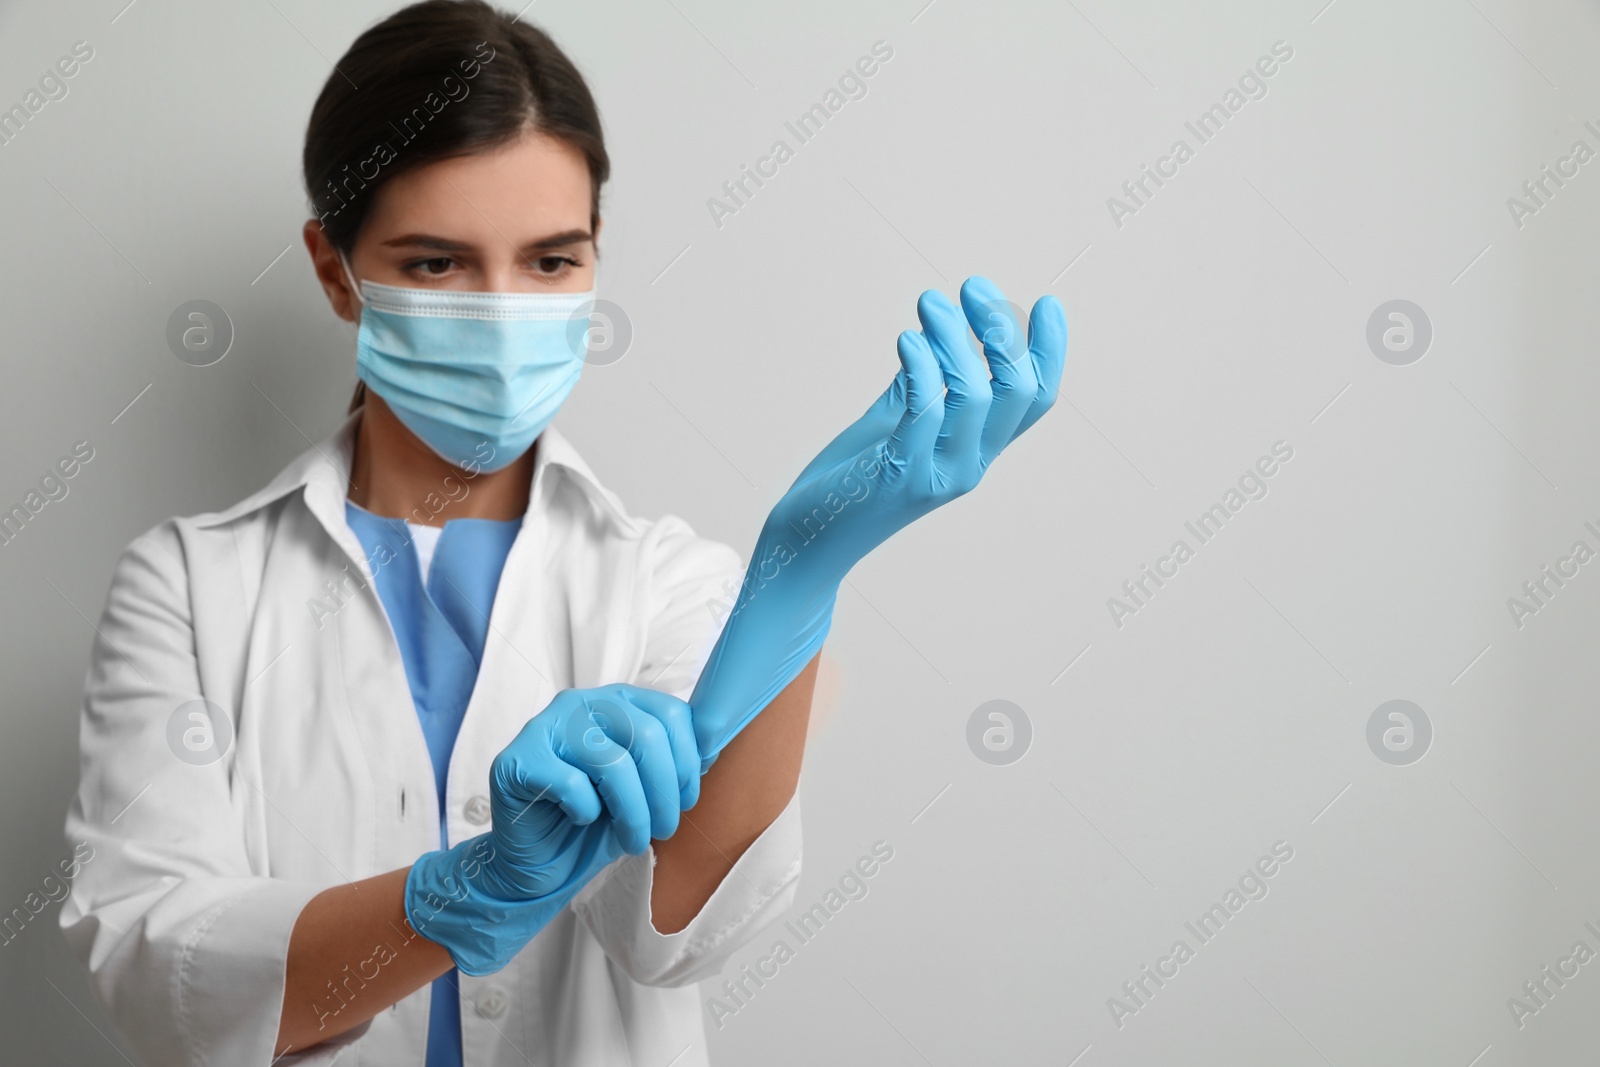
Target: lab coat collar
323,471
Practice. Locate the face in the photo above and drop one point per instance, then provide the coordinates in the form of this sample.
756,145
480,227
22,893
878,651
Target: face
512,220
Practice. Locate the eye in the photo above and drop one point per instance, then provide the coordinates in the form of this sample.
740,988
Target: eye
553,266
431,268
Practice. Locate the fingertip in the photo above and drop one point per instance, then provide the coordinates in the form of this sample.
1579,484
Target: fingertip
918,359
580,814
995,322
924,374
933,299
979,300
911,345
572,791
936,313
979,290
1048,323
633,836
1049,307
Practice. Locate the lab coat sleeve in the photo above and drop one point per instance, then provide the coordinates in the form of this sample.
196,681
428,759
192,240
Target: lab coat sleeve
184,944
688,585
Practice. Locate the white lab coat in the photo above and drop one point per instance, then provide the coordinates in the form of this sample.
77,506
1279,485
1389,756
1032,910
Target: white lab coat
183,914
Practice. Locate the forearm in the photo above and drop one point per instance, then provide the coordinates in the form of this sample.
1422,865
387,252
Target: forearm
776,627
352,954
747,788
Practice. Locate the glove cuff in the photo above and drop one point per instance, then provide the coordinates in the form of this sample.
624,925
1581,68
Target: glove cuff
451,899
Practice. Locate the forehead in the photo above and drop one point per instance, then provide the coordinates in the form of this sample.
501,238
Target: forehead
517,192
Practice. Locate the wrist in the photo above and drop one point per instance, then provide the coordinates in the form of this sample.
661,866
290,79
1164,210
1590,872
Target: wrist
791,562
441,885
460,899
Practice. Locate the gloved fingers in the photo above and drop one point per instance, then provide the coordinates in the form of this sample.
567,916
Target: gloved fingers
967,393
989,315
653,759
1013,386
676,716
518,781
919,424
589,730
1047,350
595,737
623,794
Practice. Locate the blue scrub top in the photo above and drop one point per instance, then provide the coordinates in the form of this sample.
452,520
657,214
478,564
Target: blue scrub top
441,626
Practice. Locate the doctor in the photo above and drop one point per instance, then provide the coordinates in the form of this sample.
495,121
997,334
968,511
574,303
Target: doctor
399,759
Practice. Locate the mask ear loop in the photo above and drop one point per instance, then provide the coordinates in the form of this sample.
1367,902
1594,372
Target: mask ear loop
351,278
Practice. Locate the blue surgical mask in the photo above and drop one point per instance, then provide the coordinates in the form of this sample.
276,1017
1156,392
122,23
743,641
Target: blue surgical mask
477,376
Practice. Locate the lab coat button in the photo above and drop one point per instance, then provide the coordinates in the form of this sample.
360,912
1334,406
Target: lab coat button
491,1003
476,810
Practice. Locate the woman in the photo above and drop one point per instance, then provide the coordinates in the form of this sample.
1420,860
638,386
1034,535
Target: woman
387,762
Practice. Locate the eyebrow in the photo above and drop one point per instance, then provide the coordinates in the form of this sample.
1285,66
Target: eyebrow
444,244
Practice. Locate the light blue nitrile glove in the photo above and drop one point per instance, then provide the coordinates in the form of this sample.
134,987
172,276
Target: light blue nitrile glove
925,441
597,773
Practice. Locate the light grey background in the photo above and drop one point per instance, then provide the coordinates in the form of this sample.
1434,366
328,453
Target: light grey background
1226,315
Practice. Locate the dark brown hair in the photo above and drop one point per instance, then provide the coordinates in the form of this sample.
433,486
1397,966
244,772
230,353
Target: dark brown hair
435,80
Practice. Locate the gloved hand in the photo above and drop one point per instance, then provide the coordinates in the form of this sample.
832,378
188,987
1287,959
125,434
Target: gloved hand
925,441
597,773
